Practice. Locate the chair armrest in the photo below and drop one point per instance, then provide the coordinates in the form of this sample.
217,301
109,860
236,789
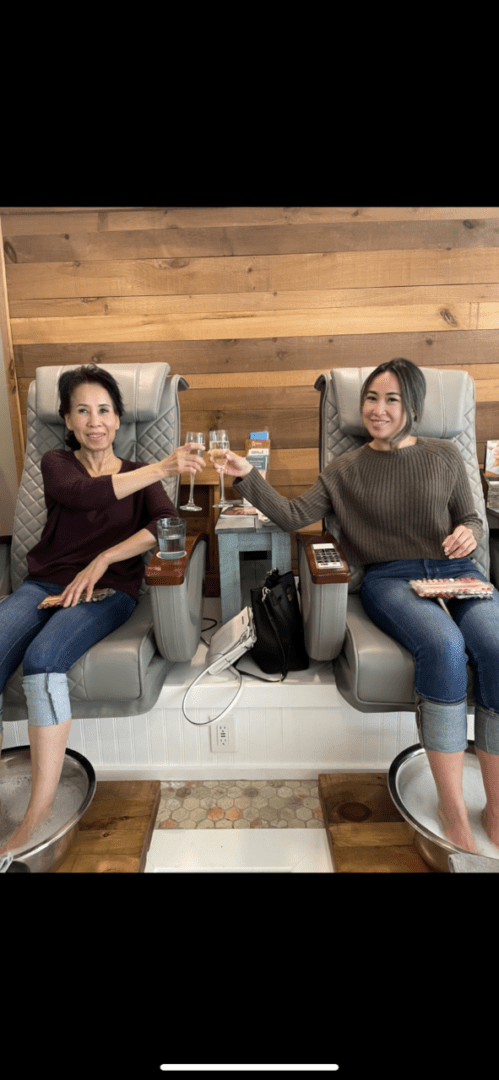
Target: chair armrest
166,572
178,613
324,595
324,575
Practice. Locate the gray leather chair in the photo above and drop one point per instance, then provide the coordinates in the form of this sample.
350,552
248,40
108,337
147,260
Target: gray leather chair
373,672
123,674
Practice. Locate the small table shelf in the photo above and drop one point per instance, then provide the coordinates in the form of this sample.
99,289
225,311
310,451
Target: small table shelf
263,536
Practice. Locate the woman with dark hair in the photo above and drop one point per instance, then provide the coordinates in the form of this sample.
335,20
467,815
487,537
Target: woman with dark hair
71,380
101,518
406,509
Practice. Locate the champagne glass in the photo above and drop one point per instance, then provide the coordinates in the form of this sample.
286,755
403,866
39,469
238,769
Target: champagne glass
194,436
219,440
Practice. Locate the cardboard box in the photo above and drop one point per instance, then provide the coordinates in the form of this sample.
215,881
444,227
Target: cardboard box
258,453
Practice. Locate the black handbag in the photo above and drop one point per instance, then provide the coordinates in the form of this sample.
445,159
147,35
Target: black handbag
280,645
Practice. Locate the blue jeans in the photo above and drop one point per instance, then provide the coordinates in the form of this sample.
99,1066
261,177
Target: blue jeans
53,640
441,646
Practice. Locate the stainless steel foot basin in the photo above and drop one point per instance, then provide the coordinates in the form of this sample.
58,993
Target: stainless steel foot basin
413,791
49,845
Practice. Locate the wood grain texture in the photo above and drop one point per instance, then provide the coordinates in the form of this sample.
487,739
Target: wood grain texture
250,304
115,833
366,832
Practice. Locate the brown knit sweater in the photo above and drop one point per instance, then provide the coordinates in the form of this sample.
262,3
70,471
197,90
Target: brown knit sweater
394,504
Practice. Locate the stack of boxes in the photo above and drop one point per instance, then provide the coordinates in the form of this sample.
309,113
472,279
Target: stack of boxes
258,453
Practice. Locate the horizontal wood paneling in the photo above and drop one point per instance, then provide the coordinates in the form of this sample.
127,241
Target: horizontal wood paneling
201,327
443,349
47,220
250,304
259,273
92,306
246,240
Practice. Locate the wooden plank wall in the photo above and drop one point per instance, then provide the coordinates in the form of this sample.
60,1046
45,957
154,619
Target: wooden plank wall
251,304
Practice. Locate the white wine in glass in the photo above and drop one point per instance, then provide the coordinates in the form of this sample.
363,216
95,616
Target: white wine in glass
197,437
219,440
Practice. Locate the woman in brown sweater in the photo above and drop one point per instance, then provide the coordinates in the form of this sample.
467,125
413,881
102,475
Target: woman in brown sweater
406,511
101,518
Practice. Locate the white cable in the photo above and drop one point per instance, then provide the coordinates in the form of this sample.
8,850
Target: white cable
208,671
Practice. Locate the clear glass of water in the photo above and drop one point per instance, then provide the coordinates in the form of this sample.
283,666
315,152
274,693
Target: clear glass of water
219,440
171,538
197,437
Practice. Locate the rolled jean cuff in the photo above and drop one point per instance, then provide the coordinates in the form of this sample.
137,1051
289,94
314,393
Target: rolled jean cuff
47,696
486,729
1,724
441,726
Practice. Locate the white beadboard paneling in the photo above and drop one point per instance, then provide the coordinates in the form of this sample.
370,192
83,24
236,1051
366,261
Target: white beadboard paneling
157,733
295,729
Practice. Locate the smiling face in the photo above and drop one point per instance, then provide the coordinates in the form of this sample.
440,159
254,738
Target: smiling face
92,417
383,413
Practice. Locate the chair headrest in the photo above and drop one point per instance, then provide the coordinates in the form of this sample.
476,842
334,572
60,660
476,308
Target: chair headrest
444,410
141,388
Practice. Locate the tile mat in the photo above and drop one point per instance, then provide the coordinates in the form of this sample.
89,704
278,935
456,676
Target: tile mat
240,804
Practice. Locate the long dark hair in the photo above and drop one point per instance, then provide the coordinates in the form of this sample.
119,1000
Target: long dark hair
87,373
412,391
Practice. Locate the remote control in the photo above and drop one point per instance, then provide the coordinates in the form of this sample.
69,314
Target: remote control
326,555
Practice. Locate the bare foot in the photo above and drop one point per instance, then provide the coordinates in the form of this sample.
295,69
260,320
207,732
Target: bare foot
491,828
25,831
457,830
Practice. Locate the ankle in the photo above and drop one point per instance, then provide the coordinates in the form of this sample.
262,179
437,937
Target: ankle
38,811
454,812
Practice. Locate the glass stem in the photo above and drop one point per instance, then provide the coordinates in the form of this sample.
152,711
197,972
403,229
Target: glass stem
191,496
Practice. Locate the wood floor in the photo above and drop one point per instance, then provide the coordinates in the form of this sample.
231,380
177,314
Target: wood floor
115,833
366,833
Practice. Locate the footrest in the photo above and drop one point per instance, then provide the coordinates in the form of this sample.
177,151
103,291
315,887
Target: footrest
366,833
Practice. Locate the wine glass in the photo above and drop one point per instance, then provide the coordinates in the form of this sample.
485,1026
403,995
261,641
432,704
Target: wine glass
198,437
219,440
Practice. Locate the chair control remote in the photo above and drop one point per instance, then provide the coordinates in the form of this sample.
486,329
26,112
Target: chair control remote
326,555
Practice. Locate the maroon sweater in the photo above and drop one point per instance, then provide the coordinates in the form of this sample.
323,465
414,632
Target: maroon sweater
84,518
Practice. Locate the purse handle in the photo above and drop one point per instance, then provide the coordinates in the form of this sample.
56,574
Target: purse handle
227,645
209,671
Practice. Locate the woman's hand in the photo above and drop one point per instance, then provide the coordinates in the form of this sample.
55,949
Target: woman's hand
233,464
183,459
85,581
460,543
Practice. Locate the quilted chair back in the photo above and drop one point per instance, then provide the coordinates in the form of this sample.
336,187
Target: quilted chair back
449,413
149,430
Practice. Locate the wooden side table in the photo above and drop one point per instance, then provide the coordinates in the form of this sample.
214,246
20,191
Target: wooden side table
231,541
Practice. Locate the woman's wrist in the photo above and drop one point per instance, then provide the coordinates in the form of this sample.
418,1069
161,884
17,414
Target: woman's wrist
248,467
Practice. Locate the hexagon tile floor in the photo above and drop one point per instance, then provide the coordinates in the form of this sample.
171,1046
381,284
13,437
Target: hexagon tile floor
240,804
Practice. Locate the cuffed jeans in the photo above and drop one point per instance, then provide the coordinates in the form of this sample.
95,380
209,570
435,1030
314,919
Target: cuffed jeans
441,648
49,642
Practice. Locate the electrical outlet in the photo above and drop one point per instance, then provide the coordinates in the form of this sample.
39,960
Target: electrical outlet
223,737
